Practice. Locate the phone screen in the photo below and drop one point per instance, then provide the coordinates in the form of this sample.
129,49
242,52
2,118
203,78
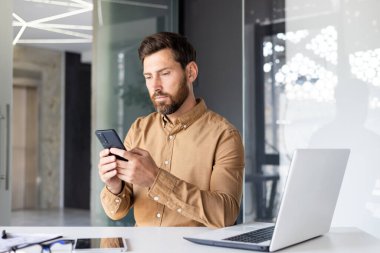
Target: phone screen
116,243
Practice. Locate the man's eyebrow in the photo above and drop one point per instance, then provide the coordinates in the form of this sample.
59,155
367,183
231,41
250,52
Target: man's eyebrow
160,70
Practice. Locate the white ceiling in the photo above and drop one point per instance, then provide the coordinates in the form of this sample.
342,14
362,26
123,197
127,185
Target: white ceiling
64,25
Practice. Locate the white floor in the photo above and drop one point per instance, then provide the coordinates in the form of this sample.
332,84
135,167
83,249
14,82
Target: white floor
51,217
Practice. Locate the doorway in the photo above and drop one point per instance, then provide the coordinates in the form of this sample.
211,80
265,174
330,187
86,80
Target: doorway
25,144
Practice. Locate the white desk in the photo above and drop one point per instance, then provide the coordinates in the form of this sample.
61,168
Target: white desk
154,239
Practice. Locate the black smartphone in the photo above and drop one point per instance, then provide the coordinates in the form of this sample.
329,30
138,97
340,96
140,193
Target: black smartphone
110,139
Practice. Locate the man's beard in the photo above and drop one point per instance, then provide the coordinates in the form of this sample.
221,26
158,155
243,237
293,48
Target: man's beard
177,99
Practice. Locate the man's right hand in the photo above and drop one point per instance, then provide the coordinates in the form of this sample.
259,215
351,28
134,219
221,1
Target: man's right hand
107,171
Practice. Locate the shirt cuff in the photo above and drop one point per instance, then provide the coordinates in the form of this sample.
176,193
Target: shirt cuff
112,203
162,186
121,190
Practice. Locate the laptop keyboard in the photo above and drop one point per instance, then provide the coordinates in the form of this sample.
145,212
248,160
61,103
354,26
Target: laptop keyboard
256,236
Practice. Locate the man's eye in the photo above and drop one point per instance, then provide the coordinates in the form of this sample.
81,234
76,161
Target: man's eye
165,73
147,77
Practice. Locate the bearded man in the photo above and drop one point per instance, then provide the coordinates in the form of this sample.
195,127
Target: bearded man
185,162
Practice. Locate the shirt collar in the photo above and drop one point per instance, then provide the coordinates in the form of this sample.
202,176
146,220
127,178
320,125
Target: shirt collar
189,117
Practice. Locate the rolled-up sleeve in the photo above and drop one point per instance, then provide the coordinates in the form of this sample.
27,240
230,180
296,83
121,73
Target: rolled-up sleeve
117,206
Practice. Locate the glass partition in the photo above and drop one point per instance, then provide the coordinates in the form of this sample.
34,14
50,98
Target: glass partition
312,79
119,92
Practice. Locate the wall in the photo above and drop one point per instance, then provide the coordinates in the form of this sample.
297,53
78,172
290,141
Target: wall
214,28
48,63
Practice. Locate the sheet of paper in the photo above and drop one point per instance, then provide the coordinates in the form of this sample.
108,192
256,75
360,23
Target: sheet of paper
24,239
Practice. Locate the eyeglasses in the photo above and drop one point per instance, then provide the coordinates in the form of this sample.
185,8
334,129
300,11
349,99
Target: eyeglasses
60,246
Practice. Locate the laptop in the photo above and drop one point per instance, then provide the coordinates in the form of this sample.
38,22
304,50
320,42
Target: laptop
306,209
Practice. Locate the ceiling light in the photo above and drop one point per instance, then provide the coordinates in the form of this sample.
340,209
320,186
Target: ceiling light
65,29
65,32
55,41
23,24
63,15
43,25
59,3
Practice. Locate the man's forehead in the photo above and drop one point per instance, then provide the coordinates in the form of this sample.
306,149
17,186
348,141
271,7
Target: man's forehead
163,54
160,60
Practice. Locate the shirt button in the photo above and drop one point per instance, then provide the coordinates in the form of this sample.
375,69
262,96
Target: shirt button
166,162
171,137
117,200
179,210
158,215
184,126
156,198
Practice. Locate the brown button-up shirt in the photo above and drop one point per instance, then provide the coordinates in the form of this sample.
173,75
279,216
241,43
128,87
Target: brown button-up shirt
201,160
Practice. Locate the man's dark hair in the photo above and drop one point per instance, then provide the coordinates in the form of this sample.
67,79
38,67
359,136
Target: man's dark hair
183,51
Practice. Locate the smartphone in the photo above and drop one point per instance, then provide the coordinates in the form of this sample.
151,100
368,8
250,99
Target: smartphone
109,139
114,244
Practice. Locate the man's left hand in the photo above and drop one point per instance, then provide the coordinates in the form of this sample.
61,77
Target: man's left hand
140,168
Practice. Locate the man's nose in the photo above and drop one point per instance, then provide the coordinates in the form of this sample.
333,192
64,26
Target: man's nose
156,83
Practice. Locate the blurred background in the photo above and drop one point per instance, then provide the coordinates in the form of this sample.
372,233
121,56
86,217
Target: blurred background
287,73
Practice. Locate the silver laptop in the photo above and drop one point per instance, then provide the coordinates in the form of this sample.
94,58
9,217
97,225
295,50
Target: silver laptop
306,210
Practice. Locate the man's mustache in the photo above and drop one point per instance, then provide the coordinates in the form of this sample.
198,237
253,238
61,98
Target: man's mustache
159,93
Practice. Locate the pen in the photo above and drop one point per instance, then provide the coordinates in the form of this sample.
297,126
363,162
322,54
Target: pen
4,235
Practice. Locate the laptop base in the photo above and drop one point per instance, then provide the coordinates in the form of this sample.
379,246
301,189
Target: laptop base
229,244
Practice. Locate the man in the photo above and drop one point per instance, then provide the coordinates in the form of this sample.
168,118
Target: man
185,162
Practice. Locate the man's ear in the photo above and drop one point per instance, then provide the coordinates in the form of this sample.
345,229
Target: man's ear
191,71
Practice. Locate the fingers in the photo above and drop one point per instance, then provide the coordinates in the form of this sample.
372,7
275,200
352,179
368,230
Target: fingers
140,169
125,177
123,153
104,153
107,167
106,176
106,160
127,174
130,155
108,170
